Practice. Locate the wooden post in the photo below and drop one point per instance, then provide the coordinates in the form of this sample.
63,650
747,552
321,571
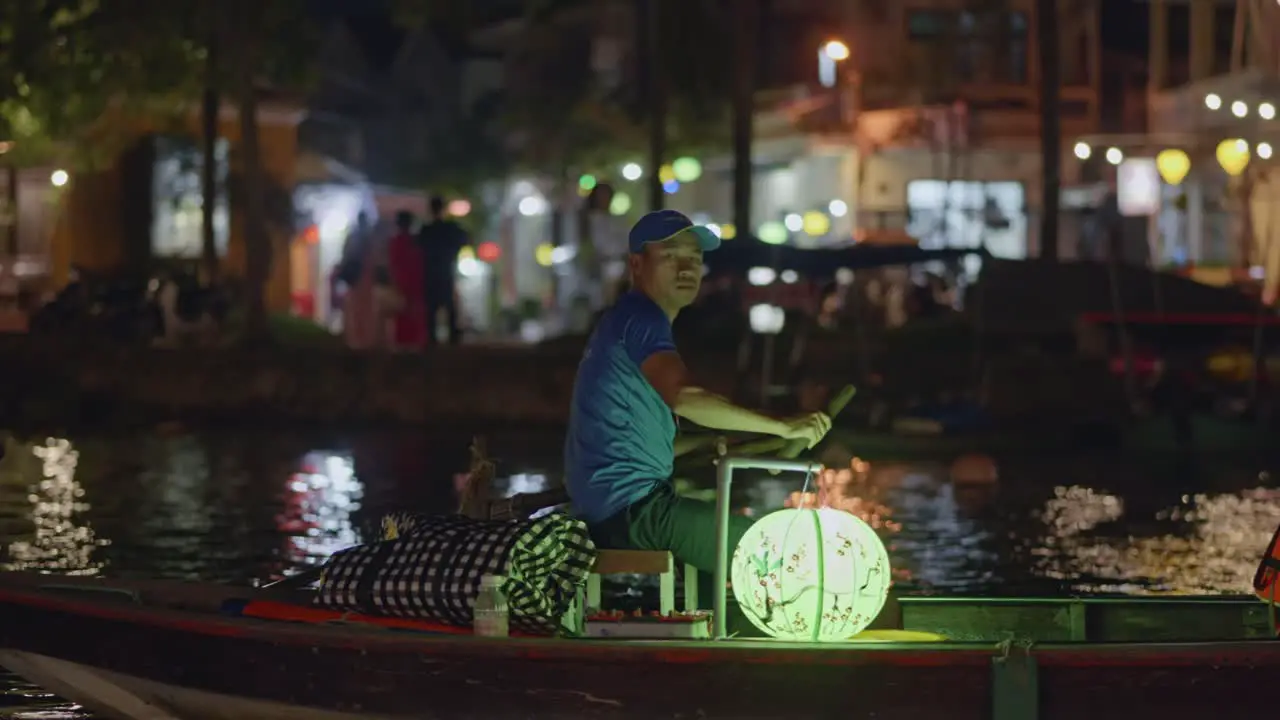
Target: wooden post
1238,37
1202,39
1158,56
211,109
11,200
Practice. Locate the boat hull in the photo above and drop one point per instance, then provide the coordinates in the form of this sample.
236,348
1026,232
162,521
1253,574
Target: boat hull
187,665
115,695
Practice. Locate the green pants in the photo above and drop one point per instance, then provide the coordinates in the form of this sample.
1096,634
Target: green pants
684,527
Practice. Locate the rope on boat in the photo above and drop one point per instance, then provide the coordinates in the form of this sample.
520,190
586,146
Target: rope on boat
1005,647
478,491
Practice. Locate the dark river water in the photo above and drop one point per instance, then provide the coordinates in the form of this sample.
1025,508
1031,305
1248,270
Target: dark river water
230,506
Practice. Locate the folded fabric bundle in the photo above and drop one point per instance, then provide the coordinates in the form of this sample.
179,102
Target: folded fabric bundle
430,567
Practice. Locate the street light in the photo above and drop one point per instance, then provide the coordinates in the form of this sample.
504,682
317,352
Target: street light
829,55
836,50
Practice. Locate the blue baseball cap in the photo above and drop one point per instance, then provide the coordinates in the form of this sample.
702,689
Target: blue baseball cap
662,225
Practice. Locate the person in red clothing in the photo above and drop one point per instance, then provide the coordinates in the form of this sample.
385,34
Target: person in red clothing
406,267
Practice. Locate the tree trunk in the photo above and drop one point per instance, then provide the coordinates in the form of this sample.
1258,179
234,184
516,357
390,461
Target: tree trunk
256,237
657,95
1050,126
210,111
745,33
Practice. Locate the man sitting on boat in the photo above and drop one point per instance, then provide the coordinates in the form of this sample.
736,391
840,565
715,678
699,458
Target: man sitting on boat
621,447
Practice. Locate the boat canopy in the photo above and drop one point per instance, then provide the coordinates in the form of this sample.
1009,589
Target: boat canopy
745,252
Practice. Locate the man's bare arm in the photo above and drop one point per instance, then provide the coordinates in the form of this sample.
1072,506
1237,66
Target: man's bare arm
667,374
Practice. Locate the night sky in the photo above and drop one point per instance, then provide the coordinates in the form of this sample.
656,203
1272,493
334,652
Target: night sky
1124,23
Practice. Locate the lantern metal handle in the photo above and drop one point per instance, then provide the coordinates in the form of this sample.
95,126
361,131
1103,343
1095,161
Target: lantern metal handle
724,482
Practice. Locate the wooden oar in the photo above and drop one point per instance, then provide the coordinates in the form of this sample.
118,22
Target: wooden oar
834,408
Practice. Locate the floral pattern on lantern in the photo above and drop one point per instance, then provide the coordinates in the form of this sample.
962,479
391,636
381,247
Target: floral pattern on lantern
812,575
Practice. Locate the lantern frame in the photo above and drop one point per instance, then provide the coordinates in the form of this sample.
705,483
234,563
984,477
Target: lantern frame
724,484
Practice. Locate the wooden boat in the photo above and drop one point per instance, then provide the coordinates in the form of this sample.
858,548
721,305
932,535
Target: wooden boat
159,650
155,650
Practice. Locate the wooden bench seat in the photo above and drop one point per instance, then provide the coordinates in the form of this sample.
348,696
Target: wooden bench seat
644,562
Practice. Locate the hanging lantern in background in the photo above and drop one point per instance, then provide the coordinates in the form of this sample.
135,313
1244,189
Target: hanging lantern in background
1233,156
1173,165
819,575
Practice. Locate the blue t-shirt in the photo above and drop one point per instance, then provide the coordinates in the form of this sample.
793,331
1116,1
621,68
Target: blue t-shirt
621,433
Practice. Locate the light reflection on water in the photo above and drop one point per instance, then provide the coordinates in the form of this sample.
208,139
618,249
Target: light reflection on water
319,502
188,507
56,540
230,508
1213,546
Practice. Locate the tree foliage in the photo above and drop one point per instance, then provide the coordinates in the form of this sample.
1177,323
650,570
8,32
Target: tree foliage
73,70
68,64
558,113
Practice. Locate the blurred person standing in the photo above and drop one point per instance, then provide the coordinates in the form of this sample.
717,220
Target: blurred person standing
441,240
404,298
357,272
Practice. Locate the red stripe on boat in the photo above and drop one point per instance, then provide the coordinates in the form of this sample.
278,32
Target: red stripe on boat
1153,655
271,610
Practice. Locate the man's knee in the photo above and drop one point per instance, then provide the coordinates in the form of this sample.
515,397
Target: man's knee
738,526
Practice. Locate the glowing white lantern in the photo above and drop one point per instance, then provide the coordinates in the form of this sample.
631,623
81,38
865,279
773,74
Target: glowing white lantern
820,575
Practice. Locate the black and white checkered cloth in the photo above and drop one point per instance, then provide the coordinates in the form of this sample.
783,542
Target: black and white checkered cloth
430,567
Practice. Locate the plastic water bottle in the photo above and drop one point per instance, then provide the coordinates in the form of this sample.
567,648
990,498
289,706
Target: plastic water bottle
491,608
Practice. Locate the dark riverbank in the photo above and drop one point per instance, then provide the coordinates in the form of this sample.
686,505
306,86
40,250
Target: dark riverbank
68,383
1031,404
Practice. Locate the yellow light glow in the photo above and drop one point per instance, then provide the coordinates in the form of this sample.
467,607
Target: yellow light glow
728,231
666,173
836,50
816,224
1173,165
819,575
544,254
466,253
1233,156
